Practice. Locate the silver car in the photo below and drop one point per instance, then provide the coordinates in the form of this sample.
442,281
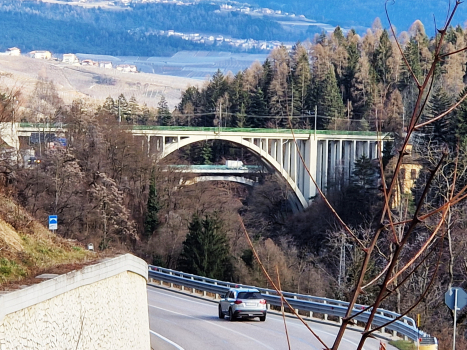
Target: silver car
242,303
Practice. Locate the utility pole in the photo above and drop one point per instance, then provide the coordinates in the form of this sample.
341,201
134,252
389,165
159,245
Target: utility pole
220,116
316,117
119,116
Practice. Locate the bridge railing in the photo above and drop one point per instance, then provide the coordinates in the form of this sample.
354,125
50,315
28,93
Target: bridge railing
405,326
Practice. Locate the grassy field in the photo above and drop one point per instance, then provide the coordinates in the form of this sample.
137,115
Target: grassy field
403,344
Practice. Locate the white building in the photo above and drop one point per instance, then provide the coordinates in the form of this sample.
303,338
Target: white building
41,54
13,51
70,58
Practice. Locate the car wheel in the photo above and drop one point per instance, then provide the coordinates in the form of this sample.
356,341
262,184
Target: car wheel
221,314
262,318
231,315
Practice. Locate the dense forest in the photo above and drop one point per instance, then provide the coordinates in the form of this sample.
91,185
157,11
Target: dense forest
133,31
106,189
347,82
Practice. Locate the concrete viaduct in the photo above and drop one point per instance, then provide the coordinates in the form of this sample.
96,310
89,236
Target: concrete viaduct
327,154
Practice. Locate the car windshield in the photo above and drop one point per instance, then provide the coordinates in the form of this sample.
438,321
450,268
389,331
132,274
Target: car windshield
249,295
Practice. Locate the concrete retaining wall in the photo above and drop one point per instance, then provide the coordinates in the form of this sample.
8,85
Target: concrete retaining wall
102,306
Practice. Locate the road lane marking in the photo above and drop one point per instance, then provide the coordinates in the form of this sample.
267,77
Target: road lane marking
214,324
167,340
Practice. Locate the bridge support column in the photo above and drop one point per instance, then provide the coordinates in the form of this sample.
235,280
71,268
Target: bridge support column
353,153
332,163
287,157
280,153
324,185
310,156
274,149
338,170
319,164
293,161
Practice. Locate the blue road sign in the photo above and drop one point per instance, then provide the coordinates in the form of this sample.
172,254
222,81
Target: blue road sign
53,222
450,298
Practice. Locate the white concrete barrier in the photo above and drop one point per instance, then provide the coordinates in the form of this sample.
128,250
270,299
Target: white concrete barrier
102,306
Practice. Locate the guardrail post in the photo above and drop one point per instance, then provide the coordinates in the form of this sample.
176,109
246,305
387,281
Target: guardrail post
268,306
405,337
216,296
171,284
204,292
382,330
325,315
295,297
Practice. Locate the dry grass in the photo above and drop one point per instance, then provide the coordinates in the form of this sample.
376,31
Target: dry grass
28,249
74,82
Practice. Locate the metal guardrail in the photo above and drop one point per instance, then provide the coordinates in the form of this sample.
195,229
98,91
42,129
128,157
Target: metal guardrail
405,326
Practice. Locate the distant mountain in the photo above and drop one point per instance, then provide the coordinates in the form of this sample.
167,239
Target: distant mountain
152,28
362,13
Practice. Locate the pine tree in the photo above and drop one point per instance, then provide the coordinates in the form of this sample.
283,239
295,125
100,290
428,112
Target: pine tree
206,154
134,110
353,56
460,120
153,206
163,113
121,108
109,105
381,59
439,130
258,107
330,102
301,77
206,250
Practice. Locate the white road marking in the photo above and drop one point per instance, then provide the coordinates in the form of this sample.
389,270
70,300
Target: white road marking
214,324
167,340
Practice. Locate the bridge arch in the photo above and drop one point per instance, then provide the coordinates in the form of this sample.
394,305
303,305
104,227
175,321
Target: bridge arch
238,179
264,155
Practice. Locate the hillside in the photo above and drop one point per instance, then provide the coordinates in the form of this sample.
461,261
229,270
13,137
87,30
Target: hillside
74,82
28,249
362,13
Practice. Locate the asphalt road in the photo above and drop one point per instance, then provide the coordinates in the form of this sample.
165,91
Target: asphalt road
182,322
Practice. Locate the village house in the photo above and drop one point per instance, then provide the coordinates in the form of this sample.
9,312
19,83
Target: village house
41,54
88,62
105,64
13,51
127,68
70,58
408,175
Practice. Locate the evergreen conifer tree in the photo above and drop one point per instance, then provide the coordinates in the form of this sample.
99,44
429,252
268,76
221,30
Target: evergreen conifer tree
206,250
381,59
153,206
206,153
163,112
439,130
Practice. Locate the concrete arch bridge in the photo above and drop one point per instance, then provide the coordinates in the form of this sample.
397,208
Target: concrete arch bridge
328,155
